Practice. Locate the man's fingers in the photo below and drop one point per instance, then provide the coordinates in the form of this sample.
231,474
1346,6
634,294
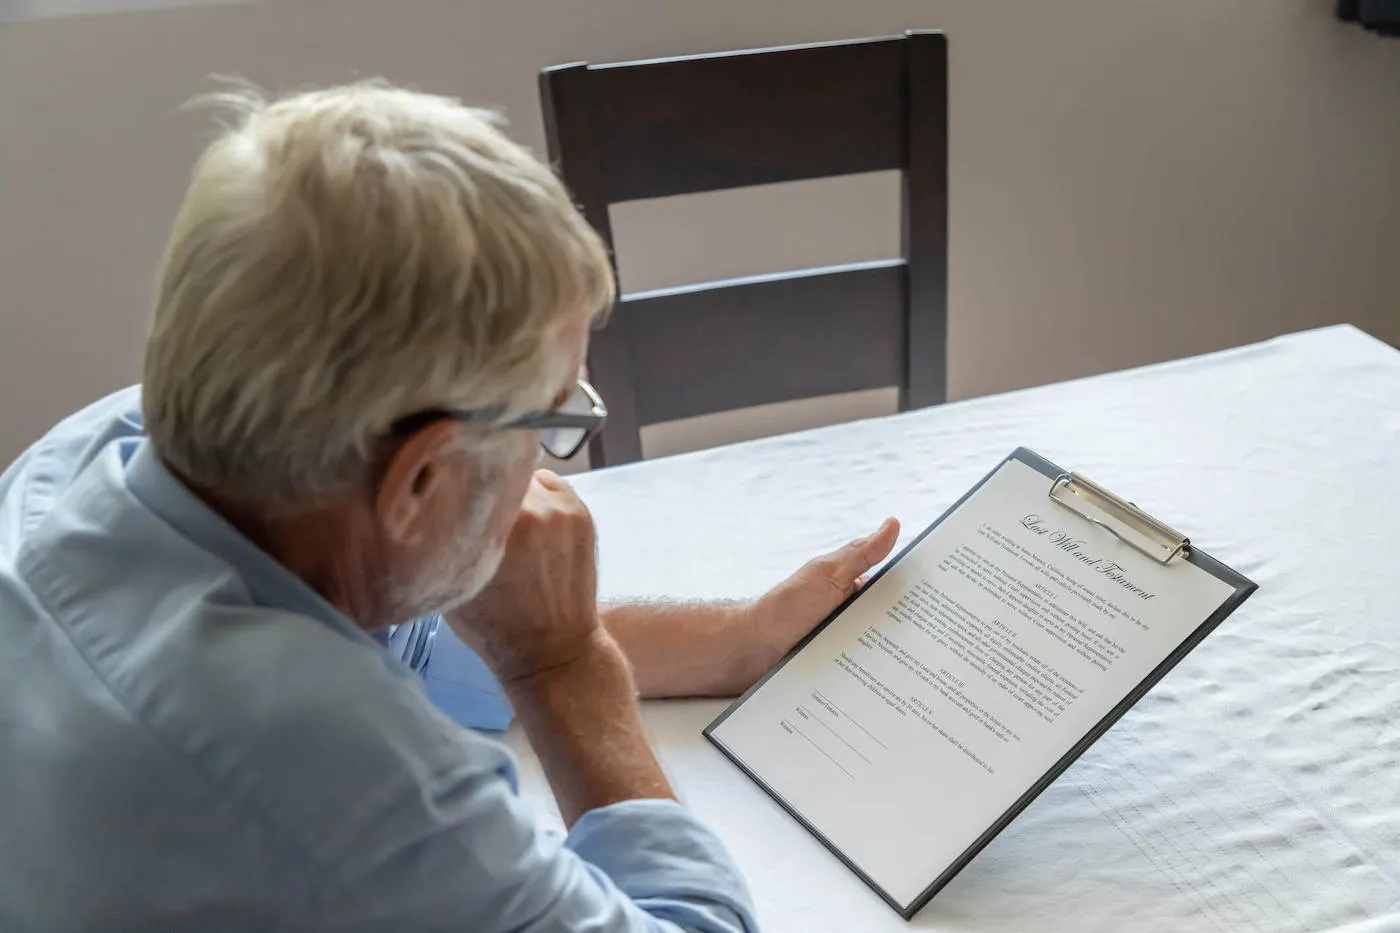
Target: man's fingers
551,480
845,567
879,545
553,488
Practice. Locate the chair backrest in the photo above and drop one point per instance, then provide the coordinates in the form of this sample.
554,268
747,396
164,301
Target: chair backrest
650,129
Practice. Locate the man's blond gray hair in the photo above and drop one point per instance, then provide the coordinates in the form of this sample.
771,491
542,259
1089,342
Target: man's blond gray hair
346,257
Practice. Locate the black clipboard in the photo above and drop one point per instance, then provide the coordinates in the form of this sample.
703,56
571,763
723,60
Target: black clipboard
1092,503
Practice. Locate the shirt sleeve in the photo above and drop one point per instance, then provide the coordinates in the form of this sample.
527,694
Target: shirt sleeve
458,682
656,852
467,855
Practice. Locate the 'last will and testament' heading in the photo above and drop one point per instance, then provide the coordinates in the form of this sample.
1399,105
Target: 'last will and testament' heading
1075,548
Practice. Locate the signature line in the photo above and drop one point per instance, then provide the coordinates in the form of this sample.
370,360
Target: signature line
835,733
822,750
823,698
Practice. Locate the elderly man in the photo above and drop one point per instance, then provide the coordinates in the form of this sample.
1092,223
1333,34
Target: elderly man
372,310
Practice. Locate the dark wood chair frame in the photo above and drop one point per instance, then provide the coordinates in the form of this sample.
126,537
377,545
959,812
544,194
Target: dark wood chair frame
652,129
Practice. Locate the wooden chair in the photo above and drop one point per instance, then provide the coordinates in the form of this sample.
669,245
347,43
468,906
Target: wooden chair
664,127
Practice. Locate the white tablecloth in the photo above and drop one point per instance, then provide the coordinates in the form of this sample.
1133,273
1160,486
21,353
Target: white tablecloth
1256,788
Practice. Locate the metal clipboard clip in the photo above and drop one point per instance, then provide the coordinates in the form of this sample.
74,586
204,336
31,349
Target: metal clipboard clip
1119,517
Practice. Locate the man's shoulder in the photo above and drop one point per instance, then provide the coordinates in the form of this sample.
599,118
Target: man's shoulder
77,438
316,736
311,728
29,485
234,745
322,733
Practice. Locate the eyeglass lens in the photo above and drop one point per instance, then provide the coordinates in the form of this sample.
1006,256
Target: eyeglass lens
564,442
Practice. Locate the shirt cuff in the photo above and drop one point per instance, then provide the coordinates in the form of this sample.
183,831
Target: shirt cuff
658,854
460,684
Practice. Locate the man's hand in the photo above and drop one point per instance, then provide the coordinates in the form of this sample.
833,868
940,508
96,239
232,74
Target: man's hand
536,626
720,649
540,610
785,614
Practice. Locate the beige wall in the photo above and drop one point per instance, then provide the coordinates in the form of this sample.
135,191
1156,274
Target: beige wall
1132,180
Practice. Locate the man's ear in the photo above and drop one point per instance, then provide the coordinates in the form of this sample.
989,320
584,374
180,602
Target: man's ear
420,480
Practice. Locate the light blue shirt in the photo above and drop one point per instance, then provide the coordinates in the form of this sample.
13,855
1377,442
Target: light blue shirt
192,739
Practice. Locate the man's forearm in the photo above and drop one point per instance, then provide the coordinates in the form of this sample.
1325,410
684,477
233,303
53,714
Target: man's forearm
688,649
583,723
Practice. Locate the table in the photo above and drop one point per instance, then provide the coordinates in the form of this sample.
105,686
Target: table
1256,788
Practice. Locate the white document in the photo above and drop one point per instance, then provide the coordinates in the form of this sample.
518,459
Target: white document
914,721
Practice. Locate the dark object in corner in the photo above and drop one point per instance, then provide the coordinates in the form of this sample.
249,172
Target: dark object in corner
1380,16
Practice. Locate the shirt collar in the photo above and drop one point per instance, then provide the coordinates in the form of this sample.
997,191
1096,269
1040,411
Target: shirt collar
269,583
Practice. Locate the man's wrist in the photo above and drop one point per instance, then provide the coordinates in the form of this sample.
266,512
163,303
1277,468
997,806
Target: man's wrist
594,663
763,642
582,719
695,649
516,653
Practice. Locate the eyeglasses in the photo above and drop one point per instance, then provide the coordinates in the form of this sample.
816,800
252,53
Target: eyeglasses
563,431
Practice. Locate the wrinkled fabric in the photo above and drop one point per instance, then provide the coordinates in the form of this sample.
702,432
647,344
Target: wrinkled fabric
1256,788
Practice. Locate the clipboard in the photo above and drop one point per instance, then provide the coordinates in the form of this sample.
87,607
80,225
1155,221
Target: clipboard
1091,503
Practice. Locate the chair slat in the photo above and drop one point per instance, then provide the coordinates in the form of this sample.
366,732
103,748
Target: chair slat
766,339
